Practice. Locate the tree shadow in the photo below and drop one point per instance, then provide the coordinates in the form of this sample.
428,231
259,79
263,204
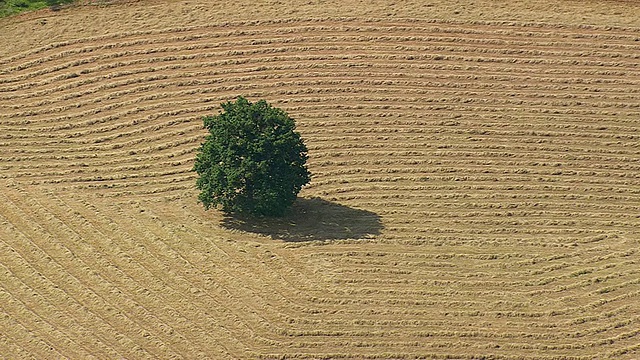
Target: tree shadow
312,219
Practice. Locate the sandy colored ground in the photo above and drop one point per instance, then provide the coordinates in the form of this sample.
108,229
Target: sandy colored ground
476,183
99,18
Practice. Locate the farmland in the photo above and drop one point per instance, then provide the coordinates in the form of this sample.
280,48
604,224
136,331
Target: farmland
476,188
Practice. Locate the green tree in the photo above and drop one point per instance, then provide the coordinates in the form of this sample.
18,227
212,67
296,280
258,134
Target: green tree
253,160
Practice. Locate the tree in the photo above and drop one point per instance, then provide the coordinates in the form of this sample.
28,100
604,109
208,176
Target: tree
253,160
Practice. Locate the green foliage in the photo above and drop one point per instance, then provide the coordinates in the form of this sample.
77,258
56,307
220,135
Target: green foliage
253,160
12,7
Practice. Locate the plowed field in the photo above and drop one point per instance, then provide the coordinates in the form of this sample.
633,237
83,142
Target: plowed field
476,189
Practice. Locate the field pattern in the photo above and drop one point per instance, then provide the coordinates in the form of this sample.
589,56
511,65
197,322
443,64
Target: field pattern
476,194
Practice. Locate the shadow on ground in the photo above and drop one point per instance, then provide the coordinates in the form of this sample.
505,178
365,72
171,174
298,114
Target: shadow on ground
312,219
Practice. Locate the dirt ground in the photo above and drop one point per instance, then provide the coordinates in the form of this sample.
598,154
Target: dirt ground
100,18
476,183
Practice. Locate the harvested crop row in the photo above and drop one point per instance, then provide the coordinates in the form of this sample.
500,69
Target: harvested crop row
475,193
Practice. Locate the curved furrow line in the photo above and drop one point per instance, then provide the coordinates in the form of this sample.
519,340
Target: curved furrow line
442,258
10,346
88,176
102,172
490,308
312,45
57,345
318,82
115,258
35,254
243,312
473,339
134,145
482,334
398,171
577,92
508,170
533,291
440,130
120,281
558,181
62,341
416,328
264,261
144,36
375,277
235,272
532,78
362,317
259,33
26,340
498,161
434,129
139,140
192,56
121,183
151,263
248,29
295,277
513,205
559,174
479,33
371,275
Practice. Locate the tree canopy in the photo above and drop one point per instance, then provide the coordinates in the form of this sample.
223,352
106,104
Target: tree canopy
252,161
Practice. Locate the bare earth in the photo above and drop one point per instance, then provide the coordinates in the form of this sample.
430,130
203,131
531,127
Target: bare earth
476,189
